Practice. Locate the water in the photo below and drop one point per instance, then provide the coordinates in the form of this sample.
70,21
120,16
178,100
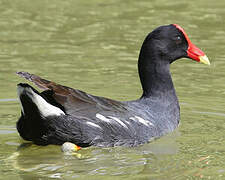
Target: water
93,46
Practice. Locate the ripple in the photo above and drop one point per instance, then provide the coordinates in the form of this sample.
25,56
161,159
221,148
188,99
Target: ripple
7,132
8,100
210,113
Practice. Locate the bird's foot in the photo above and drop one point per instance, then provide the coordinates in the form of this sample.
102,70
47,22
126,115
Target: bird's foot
70,147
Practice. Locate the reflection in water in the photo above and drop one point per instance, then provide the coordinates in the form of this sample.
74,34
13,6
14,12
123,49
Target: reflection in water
92,161
93,46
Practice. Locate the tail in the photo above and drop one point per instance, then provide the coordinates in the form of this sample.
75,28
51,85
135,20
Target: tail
41,83
33,102
61,94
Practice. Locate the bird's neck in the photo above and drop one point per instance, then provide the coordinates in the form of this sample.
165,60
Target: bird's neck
154,72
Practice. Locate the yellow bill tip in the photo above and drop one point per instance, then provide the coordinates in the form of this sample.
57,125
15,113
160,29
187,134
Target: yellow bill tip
204,59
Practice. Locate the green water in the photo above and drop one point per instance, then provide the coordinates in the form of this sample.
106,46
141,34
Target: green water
93,46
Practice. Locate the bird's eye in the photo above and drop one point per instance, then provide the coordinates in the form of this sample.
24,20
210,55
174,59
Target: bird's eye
178,40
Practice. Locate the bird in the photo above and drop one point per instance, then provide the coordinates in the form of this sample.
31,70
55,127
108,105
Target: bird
60,114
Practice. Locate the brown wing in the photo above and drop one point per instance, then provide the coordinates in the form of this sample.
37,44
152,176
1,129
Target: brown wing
74,101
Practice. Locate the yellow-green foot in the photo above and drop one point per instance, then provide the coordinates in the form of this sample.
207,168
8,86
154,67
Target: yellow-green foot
70,147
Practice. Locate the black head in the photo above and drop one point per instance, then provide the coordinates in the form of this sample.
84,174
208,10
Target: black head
166,43
171,43
161,47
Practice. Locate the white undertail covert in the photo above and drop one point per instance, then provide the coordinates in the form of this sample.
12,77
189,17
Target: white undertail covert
45,108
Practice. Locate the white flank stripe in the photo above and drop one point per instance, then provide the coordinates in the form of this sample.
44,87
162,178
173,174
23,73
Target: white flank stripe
103,118
119,121
110,118
141,120
93,124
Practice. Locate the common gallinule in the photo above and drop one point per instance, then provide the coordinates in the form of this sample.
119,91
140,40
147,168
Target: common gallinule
62,114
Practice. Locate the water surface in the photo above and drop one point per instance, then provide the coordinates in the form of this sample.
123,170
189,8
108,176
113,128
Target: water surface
94,46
